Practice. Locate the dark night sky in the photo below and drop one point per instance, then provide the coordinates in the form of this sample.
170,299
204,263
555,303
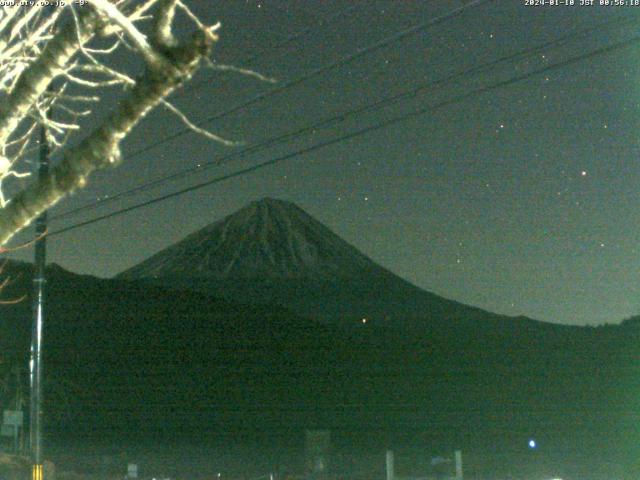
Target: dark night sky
521,200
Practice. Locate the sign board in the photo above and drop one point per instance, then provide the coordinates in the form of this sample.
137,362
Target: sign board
12,417
132,470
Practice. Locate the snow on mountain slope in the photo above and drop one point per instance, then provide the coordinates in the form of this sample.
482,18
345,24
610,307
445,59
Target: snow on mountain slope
266,239
271,251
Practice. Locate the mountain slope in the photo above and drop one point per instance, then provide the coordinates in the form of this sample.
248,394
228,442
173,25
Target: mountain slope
271,251
125,359
266,239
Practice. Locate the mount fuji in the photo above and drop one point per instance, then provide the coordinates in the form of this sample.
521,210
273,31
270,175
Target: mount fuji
254,324
273,252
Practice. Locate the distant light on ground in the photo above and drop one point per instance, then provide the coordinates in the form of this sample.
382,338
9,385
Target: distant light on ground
364,320
532,444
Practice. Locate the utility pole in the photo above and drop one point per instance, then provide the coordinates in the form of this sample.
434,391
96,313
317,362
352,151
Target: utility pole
458,457
39,281
391,474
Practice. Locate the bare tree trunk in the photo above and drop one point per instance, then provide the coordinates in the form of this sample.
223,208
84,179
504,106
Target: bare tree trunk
101,148
36,78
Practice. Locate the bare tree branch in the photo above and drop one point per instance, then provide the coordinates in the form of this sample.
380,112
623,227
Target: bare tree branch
101,148
138,39
57,59
197,129
34,80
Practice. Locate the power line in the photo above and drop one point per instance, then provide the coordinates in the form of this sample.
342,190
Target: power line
363,51
357,133
296,36
344,60
319,71
421,89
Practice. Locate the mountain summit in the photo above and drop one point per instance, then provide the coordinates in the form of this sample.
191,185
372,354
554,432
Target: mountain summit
266,239
272,251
